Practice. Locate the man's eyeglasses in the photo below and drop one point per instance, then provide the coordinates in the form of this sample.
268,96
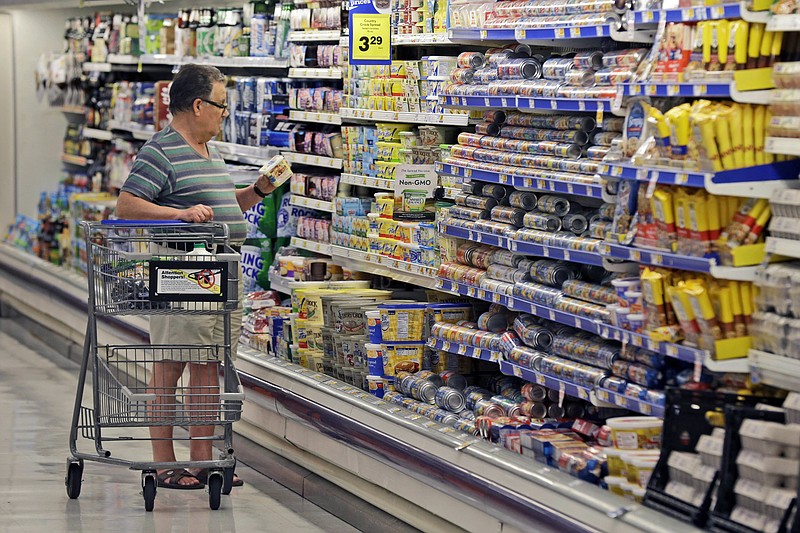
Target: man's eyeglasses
224,107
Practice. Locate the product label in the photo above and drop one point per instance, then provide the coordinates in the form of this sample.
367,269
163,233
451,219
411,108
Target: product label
370,32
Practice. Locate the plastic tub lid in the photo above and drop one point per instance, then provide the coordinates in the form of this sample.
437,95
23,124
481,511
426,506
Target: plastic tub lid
403,305
634,422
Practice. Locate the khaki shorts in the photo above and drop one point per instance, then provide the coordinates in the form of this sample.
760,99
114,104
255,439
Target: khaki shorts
195,330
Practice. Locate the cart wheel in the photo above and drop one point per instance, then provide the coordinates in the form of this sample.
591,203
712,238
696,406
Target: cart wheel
73,479
214,489
149,491
227,479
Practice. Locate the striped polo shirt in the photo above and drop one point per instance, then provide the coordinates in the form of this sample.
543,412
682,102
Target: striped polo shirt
167,171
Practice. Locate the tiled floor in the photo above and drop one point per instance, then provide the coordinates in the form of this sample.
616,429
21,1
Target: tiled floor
37,389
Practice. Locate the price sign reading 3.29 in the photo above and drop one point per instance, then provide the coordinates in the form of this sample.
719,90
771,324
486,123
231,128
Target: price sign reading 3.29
371,35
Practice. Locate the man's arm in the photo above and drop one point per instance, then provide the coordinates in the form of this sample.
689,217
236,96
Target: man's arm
248,197
131,207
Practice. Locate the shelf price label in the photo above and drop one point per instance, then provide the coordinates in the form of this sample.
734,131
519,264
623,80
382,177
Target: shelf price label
370,32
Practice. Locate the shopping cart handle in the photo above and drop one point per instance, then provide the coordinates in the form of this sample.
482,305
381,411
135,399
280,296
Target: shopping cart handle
126,222
134,397
233,396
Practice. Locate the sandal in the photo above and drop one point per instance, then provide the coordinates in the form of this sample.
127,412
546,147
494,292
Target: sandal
170,479
202,476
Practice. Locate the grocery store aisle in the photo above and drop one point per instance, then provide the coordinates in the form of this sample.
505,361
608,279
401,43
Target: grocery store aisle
37,388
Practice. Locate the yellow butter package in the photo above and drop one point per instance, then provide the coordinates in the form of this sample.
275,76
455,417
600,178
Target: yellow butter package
678,120
663,208
703,126
736,126
700,302
683,310
738,31
757,30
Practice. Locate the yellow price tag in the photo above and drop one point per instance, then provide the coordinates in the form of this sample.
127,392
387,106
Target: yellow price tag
371,38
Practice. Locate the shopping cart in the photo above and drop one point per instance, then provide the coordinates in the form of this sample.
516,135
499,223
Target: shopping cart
156,268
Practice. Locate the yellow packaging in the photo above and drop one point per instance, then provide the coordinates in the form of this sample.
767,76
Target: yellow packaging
703,310
736,303
705,125
712,216
683,310
655,309
766,49
678,118
737,44
402,357
402,322
715,44
775,52
758,228
661,130
747,288
768,157
726,312
737,135
748,135
681,221
754,43
636,432
724,144
697,220
664,213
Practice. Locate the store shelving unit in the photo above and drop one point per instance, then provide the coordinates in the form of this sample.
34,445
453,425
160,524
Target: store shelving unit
783,23
782,145
697,90
526,248
137,131
775,370
321,248
330,73
313,160
785,247
76,160
314,116
680,262
465,350
97,134
366,181
731,10
523,182
405,117
526,103
250,155
312,203
419,275
602,329
739,182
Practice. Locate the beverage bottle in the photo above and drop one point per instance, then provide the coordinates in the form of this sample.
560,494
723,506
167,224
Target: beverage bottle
258,29
200,253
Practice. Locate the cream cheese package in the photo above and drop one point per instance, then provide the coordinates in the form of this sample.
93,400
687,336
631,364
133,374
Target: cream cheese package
277,170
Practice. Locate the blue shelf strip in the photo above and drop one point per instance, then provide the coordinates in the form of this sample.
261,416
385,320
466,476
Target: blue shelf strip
542,184
689,14
785,170
709,90
465,350
606,331
576,32
579,391
524,247
657,258
525,102
482,35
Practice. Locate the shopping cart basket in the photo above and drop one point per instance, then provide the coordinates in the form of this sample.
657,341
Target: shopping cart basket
156,268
